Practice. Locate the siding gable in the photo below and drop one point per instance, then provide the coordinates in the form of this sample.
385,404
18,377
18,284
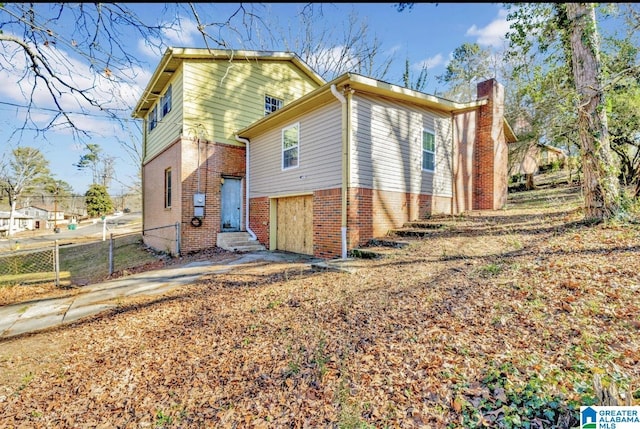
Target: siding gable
214,98
222,97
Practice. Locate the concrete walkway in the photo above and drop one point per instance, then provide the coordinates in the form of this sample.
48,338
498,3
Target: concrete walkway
37,315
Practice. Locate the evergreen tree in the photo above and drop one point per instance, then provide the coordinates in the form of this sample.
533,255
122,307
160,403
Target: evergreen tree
98,201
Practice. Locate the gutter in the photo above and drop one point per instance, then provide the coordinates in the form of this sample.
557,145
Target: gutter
345,167
246,212
146,94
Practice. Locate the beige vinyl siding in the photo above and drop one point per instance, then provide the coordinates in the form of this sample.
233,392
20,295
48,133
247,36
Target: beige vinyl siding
386,150
222,97
320,162
169,127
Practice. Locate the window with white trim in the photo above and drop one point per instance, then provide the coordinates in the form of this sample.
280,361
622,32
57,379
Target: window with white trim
153,118
166,102
271,104
290,146
428,150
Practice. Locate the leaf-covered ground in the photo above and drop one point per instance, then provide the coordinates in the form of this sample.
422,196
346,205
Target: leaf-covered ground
500,319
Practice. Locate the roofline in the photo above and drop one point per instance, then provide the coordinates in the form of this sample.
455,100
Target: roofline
38,207
552,148
366,84
202,53
510,135
382,88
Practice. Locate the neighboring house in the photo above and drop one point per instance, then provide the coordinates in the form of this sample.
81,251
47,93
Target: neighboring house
324,167
526,158
43,218
21,222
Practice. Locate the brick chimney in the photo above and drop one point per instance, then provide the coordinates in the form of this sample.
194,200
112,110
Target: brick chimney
491,154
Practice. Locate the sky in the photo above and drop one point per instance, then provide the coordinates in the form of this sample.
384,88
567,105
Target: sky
427,35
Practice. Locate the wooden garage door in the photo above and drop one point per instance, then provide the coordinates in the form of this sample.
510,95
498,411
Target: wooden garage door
295,224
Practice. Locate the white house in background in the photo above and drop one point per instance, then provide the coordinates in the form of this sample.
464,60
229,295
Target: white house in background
43,218
21,222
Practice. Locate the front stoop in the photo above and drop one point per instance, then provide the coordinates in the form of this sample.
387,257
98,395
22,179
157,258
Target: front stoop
238,242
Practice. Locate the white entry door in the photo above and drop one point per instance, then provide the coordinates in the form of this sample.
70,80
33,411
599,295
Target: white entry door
231,204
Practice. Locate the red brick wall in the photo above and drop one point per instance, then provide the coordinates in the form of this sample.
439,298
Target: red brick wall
370,214
327,221
360,216
216,160
259,219
155,215
393,209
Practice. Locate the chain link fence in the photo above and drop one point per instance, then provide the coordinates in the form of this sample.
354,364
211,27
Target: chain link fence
25,267
165,238
67,265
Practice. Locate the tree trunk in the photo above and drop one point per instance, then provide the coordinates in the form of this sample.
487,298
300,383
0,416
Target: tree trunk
12,216
600,179
530,185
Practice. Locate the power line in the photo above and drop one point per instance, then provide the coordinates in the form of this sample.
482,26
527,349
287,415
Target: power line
47,109
87,114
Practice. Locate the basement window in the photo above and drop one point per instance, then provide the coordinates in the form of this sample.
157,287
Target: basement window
428,150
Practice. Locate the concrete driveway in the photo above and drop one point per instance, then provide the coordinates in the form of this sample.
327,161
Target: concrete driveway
37,315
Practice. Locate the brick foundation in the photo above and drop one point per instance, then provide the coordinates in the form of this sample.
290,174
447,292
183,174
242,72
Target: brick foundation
371,214
327,219
259,219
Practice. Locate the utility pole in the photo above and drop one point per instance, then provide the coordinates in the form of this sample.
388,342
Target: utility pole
55,209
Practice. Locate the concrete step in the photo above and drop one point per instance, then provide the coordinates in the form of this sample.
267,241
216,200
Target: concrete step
424,225
378,248
238,242
247,248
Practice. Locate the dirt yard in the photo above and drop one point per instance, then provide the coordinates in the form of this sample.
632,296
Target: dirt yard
499,319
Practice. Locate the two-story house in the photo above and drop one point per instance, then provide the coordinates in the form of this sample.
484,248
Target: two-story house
43,218
193,168
258,142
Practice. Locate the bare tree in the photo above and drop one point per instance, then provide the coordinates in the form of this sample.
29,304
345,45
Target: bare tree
70,74
25,168
69,65
418,83
100,164
331,52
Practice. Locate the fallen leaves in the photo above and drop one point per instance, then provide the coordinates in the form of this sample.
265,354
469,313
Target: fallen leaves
419,338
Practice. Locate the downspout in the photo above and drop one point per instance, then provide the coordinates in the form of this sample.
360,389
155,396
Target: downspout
454,164
345,167
246,178
142,178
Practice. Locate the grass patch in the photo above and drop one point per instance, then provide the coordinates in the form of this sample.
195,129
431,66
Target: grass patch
89,263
